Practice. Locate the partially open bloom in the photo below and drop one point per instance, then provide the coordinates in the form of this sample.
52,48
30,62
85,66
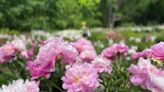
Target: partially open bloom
114,50
39,68
86,50
121,48
109,53
144,54
87,55
7,52
136,56
147,53
102,65
21,86
158,51
80,77
83,44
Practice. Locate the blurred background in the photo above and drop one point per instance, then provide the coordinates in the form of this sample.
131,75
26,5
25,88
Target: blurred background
26,15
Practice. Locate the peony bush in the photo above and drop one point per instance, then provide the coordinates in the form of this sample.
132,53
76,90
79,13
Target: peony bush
59,65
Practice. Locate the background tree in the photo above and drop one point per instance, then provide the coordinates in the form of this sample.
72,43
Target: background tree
61,14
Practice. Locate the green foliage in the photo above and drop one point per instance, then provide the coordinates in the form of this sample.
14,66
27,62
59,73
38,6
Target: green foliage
47,14
9,32
60,14
134,8
68,14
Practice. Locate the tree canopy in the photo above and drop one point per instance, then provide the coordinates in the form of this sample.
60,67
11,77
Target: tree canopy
61,14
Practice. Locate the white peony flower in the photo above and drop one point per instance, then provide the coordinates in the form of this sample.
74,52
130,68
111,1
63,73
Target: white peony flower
21,86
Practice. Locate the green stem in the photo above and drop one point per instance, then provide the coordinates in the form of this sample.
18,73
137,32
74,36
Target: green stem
54,85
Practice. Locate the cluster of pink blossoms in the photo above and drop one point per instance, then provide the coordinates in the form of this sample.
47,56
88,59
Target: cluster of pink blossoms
49,52
114,50
83,64
21,86
144,54
147,76
155,52
82,68
83,76
9,50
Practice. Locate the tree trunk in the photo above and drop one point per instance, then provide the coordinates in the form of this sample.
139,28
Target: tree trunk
109,12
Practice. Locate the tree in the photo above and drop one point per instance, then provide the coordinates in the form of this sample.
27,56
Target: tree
111,11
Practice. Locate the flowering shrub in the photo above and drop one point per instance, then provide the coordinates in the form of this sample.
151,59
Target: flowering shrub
57,65
145,74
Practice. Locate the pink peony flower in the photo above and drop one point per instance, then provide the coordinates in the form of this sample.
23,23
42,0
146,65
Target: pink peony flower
158,51
121,48
114,50
83,44
136,56
68,53
48,53
145,54
87,55
57,47
7,52
80,78
157,82
102,65
21,86
45,60
140,72
109,53
86,50
40,68
147,76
